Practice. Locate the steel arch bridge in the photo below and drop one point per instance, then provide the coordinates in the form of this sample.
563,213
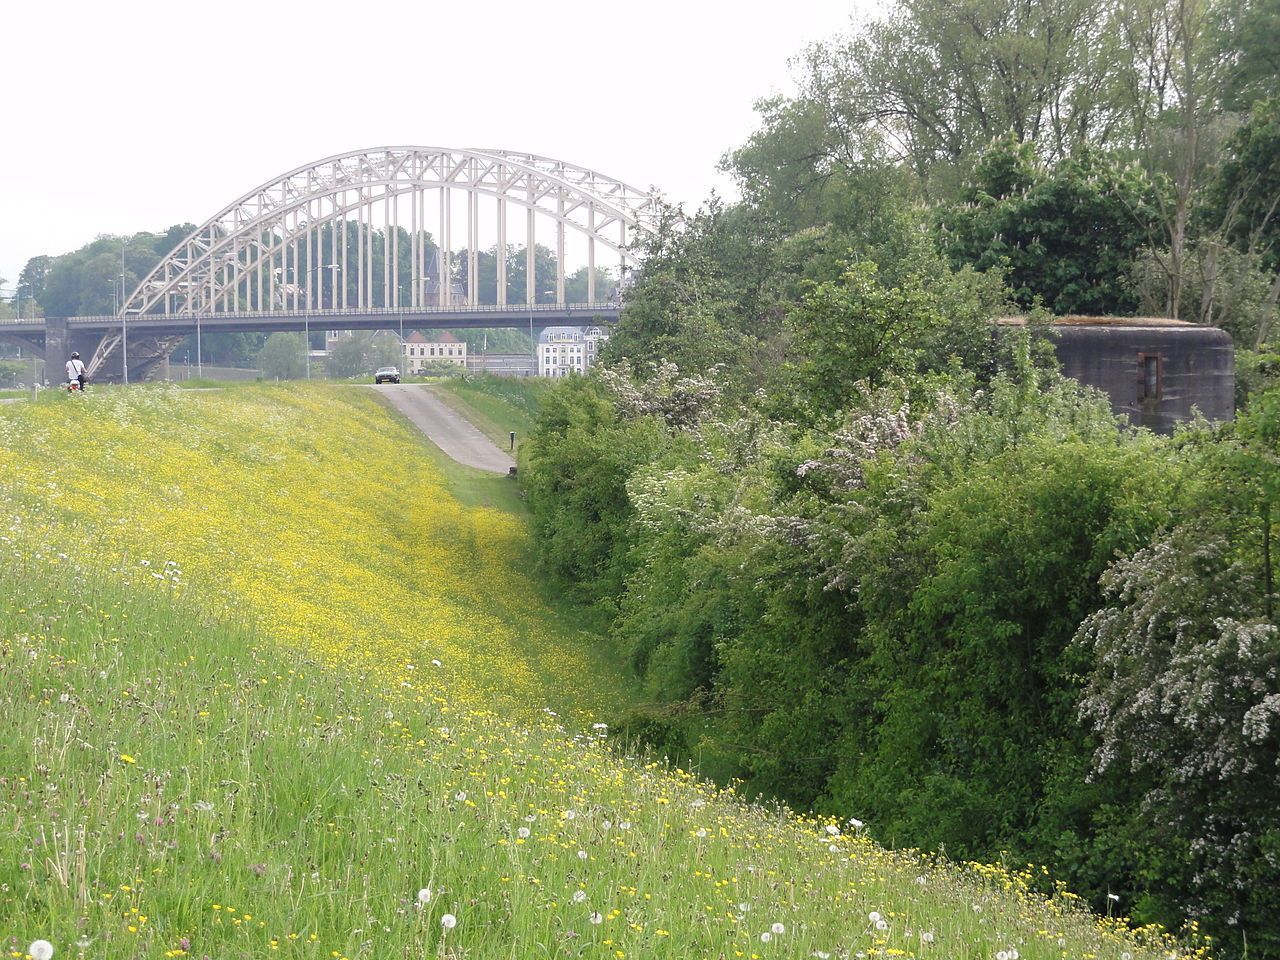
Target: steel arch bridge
297,241
378,237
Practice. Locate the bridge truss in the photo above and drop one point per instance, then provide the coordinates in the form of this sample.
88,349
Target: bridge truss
376,228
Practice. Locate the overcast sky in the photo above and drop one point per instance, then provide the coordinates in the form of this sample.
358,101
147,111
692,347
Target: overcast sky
132,116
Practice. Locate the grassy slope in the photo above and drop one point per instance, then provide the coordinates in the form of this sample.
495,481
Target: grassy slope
243,745
496,405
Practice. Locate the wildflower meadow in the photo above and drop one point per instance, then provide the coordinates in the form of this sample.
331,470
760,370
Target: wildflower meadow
271,686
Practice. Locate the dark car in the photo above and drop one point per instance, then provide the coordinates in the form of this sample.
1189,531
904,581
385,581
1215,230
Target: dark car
387,375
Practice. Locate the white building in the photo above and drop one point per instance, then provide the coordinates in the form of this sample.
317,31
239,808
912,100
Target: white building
566,350
421,352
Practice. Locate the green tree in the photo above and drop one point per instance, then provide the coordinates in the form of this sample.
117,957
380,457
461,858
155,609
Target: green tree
1068,234
1249,34
859,330
577,464
282,357
935,81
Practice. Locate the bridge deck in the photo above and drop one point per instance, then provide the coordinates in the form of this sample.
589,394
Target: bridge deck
520,316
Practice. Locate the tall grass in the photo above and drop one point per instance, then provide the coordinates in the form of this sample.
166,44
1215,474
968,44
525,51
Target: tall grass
241,717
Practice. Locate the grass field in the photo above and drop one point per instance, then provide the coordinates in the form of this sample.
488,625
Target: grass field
269,687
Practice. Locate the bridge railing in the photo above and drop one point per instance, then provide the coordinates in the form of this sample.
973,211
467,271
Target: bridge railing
338,312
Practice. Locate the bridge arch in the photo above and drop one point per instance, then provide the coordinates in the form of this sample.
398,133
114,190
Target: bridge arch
310,238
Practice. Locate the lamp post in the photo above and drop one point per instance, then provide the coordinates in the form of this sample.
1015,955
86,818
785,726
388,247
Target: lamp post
123,302
124,323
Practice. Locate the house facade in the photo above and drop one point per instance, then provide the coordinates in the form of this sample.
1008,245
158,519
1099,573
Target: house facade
422,352
566,350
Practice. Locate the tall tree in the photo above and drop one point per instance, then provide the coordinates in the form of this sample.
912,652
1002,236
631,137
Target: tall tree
1069,233
935,80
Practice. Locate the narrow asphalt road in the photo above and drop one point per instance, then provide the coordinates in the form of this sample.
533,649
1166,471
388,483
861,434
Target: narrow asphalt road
445,428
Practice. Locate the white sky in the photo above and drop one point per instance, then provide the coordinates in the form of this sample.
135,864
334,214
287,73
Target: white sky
135,115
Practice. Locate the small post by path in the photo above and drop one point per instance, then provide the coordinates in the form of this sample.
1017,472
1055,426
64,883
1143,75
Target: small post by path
513,441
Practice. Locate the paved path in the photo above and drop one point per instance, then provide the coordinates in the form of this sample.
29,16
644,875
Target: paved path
446,428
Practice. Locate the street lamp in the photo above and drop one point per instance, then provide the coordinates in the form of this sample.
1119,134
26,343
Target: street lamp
123,302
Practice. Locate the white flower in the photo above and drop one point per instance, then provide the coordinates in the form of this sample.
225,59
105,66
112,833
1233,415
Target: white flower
448,921
855,823
833,830
40,950
460,796
582,854
424,895
1013,954
1002,955
435,663
701,833
744,907
766,937
625,825
779,928
882,924
926,937
874,916
606,824
523,833
595,918
821,954
579,896
568,815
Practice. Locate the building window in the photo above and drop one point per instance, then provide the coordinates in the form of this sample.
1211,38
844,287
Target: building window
1150,376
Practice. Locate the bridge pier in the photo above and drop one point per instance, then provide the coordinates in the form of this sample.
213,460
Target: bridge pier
57,348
